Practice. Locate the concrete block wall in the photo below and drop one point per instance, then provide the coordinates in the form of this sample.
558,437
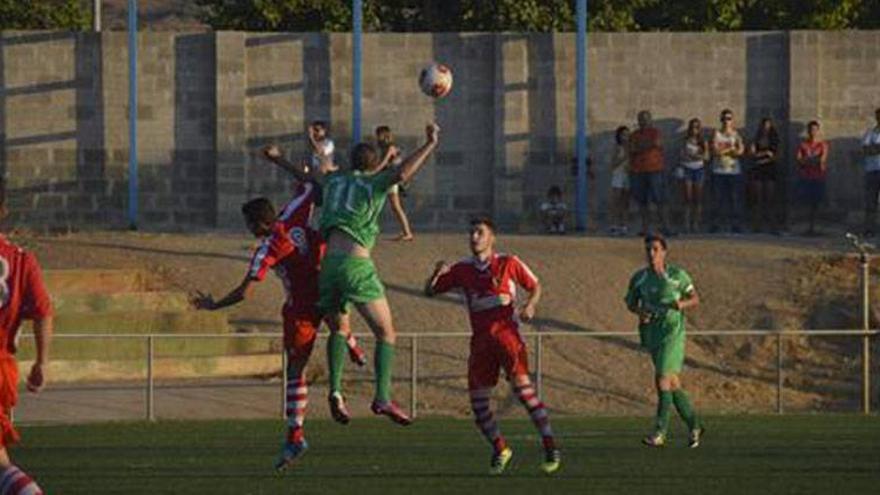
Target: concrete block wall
209,101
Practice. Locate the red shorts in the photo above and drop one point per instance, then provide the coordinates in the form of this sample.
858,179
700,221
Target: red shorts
8,399
491,352
300,332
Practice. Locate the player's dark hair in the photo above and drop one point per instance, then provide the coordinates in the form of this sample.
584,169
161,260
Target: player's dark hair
726,111
259,210
618,134
382,129
320,123
363,156
484,220
656,237
554,191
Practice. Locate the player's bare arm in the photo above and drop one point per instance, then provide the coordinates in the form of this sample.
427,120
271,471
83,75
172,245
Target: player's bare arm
43,329
690,300
206,301
414,162
528,310
440,269
390,154
299,170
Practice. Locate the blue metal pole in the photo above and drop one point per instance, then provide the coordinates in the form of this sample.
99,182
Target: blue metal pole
132,115
581,116
357,61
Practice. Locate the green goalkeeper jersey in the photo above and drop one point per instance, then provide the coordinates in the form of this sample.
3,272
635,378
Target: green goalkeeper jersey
353,202
657,293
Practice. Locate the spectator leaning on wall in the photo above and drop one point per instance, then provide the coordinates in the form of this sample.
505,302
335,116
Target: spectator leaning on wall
871,150
646,172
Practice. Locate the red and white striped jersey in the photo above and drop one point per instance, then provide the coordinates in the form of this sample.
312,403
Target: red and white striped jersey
22,293
483,282
293,250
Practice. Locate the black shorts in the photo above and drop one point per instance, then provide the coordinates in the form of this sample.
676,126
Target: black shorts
763,173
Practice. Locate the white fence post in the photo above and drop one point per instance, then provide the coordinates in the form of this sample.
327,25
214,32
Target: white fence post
414,377
151,415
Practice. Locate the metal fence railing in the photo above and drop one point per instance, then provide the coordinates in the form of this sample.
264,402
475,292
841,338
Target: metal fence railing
536,339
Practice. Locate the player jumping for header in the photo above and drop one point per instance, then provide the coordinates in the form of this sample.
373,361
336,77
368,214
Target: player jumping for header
489,281
293,250
22,296
352,203
658,294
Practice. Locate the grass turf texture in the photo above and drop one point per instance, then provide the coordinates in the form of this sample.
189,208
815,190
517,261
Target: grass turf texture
747,454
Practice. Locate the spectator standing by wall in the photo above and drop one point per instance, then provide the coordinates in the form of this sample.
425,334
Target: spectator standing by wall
763,176
871,150
694,153
646,172
727,180
812,166
620,170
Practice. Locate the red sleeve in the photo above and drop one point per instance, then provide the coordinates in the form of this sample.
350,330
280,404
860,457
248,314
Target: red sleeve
522,275
264,258
35,303
449,280
297,211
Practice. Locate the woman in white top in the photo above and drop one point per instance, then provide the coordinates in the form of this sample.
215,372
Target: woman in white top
620,182
694,153
727,179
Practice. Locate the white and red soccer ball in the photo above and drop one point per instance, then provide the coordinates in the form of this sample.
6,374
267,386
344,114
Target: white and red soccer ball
435,80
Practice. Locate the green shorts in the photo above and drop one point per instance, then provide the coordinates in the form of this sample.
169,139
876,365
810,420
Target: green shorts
346,280
668,358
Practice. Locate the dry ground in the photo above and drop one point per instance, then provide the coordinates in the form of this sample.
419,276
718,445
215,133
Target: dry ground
750,282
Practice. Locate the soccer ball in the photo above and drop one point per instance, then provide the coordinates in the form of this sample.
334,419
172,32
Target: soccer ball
436,80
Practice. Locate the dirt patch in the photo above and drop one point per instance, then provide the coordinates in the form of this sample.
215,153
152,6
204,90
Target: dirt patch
746,283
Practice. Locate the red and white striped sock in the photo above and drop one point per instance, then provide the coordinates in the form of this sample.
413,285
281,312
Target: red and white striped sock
485,419
351,341
537,412
14,481
297,400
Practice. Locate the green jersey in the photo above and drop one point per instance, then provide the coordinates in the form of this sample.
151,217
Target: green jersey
353,202
656,294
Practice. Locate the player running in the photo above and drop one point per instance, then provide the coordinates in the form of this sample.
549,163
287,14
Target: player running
659,294
22,297
352,202
293,250
488,281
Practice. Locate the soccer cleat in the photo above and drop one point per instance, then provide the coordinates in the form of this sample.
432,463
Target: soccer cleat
500,460
657,439
552,461
357,356
392,410
337,408
290,452
694,437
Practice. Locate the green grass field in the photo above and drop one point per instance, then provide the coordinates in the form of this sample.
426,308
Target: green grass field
789,454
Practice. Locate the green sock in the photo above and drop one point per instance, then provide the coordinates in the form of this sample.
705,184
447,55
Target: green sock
383,360
664,406
684,408
336,349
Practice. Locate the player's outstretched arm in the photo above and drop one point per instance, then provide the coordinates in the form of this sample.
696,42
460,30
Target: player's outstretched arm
298,170
43,329
440,269
414,162
237,295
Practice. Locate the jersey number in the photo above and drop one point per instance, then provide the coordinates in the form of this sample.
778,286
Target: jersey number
345,195
4,286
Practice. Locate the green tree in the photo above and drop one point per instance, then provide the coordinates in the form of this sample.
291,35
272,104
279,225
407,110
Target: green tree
542,15
44,14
